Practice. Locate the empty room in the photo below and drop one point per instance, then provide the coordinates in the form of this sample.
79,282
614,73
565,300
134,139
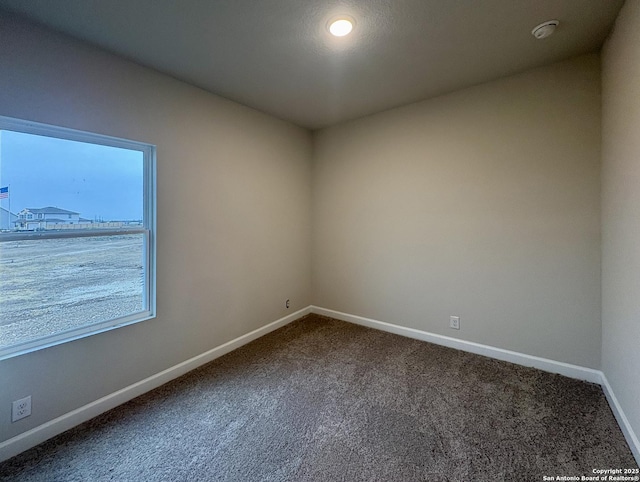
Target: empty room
296,240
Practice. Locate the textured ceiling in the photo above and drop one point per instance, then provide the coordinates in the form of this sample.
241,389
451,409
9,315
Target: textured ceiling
277,56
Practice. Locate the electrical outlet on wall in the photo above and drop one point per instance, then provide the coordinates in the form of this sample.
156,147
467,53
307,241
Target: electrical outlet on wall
21,408
454,322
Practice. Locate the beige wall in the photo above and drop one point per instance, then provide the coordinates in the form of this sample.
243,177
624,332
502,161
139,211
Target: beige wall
484,203
621,211
233,215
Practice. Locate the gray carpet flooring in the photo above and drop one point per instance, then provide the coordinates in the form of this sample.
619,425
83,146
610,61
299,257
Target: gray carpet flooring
324,400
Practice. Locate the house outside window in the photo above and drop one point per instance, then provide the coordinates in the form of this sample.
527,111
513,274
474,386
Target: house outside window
72,238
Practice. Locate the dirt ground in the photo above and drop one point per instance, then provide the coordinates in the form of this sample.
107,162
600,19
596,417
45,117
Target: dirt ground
49,286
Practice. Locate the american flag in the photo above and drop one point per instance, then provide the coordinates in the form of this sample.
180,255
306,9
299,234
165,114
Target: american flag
4,192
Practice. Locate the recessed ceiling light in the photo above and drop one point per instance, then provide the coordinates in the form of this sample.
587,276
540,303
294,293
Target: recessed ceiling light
341,26
544,29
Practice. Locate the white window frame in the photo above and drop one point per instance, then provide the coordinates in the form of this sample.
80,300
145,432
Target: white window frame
148,229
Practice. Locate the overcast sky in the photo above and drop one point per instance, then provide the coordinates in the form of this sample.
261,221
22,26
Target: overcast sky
95,181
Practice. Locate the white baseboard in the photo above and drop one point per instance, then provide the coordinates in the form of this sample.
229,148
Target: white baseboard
43,432
625,426
566,369
39,434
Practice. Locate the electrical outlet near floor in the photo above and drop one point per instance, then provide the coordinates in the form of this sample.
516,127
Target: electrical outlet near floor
21,408
454,322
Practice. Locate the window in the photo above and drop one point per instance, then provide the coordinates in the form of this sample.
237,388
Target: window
86,262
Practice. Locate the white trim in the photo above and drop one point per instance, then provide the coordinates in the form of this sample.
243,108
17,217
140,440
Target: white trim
33,437
43,432
60,132
566,369
623,421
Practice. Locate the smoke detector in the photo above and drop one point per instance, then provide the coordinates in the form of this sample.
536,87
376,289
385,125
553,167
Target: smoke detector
545,29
